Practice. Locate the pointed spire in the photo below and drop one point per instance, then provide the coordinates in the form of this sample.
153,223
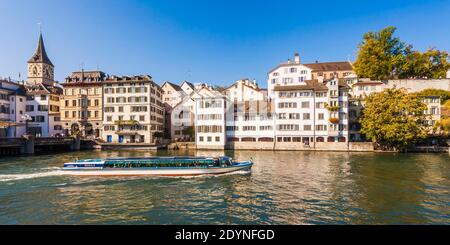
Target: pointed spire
40,56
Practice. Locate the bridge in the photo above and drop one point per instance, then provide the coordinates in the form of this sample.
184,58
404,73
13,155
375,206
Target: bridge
29,144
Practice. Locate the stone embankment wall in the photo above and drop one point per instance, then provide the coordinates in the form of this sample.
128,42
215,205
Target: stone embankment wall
181,145
298,146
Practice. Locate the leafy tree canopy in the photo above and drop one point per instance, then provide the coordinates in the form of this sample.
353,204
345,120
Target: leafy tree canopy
444,94
382,56
393,118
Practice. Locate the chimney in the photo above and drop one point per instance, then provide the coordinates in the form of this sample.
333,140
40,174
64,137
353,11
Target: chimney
297,58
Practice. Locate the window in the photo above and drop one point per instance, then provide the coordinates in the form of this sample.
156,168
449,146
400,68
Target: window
40,119
109,118
320,105
287,80
57,119
217,139
305,104
288,127
320,116
232,128
200,138
293,70
265,128
306,116
287,105
142,118
109,109
57,127
43,97
249,128
42,107
29,108
294,115
307,127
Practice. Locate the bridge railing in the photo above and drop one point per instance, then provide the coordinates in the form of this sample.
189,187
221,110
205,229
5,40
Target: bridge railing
53,140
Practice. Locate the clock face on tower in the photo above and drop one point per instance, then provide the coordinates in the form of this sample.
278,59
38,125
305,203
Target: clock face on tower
48,72
34,70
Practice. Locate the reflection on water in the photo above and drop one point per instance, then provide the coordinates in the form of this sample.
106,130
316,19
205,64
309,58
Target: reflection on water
284,188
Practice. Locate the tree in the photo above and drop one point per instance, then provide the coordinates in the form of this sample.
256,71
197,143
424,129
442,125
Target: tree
444,94
380,55
189,131
432,63
393,118
158,134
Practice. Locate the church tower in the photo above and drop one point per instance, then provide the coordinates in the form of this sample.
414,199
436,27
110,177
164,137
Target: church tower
40,68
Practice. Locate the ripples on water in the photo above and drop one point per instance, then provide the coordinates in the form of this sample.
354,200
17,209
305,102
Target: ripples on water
283,188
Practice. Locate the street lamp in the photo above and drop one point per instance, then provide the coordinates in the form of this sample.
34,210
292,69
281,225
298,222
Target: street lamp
26,117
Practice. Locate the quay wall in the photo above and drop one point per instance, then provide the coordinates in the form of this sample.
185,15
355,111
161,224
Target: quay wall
298,146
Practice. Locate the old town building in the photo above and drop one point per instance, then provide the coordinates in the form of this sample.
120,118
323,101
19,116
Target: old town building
133,110
43,95
82,104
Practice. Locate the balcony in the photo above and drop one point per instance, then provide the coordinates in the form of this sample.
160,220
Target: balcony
126,122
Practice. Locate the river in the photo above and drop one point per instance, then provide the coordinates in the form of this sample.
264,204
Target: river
284,187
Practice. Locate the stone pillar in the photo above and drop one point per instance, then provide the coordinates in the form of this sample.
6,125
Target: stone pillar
28,144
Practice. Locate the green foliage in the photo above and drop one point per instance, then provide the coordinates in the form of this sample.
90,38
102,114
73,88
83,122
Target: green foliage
444,94
445,124
189,131
430,64
333,108
158,134
393,118
382,56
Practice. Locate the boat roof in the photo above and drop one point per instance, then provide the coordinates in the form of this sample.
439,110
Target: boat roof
150,158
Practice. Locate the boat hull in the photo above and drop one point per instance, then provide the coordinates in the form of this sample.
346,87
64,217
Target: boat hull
245,166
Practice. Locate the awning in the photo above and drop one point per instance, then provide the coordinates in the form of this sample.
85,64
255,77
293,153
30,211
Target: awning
11,124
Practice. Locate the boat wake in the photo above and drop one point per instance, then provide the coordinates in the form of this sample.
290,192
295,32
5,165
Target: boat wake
15,177
240,172
59,172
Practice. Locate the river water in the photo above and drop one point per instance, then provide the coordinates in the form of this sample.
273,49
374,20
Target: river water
284,187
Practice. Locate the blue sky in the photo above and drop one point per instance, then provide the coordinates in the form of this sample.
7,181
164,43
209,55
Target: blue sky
205,41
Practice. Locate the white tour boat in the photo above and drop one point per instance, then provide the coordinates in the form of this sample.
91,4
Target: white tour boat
158,166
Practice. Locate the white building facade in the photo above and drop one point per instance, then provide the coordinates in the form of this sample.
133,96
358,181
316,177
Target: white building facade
12,109
132,110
